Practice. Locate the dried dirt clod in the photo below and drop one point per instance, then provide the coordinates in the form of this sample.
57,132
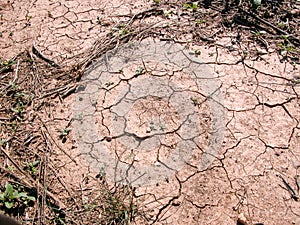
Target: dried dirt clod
242,220
176,203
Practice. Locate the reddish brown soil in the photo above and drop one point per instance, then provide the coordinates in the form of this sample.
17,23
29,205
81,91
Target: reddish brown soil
253,178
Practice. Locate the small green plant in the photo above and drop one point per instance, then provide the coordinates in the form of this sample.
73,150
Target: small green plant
245,53
5,66
118,211
199,21
192,6
195,101
281,25
163,127
10,168
22,95
123,32
140,71
80,116
19,108
109,83
286,48
28,18
198,52
156,1
13,126
13,86
11,197
168,14
3,141
152,126
64,133
20,99
31,167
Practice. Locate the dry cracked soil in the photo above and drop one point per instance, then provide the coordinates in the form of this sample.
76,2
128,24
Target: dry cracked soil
150,112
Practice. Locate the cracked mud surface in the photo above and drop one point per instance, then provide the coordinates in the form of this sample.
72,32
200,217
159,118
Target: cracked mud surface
61,29
159,113
145,117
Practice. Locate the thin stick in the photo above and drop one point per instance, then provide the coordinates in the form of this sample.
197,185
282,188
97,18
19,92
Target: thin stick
16,73
269,24
30,184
